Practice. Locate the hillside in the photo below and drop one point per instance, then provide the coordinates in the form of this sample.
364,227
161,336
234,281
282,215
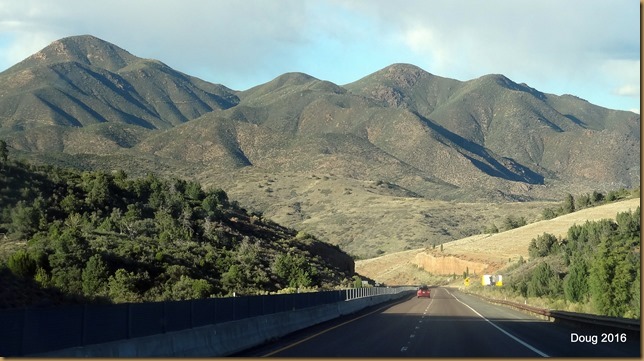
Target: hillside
71,236
482,253
340,158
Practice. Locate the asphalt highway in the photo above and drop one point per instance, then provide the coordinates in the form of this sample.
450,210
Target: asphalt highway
449,324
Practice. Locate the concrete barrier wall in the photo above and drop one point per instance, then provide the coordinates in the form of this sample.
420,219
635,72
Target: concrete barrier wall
226,338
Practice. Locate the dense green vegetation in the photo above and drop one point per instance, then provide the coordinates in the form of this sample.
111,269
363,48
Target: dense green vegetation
105,236
597,263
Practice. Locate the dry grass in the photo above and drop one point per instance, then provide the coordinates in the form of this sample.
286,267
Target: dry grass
514,243
365,218
492,250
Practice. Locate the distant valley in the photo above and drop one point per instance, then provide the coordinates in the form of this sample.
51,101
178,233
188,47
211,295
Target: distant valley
399,159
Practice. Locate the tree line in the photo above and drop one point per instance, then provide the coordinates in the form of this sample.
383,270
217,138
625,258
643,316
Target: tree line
569,204
597,263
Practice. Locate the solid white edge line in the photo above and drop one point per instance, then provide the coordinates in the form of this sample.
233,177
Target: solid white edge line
540,353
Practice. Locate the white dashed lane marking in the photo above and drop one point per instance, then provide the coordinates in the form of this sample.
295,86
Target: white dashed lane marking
417,327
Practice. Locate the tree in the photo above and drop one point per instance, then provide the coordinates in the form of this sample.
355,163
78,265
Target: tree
4,151
357,282
233,279
69,279
511,222
575,283
71,203
635,305
597,197
628,224
543,245
247,273
24,220
21,264
94,276
549,213
187,288
583,201
569,204
612,272
193,191
98,191
293,269
42,277
122,287
541,282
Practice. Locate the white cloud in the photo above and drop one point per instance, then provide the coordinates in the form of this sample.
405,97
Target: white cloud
625,75
629,90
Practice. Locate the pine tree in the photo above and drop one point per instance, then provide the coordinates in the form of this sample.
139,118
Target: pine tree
4,151
94,276
541,283
575,284
569,204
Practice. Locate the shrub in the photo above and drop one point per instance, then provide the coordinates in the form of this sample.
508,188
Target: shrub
21,264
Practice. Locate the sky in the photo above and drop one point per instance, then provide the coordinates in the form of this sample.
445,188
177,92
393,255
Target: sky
588,48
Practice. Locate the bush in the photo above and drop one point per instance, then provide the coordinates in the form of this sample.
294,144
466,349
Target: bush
543,282
21,264
511,222
187,288
293,269
543,245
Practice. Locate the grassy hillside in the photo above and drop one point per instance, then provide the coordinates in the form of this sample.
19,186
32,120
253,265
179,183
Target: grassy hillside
489,252
367,218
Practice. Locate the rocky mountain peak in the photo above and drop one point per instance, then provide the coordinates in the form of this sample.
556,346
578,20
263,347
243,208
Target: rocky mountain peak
403,75
85,49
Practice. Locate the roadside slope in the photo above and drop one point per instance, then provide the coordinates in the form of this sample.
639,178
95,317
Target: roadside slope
482,252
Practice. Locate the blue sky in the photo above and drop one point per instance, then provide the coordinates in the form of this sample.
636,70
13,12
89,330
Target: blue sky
587,48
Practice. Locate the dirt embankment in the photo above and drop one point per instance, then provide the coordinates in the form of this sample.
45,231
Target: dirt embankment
447,265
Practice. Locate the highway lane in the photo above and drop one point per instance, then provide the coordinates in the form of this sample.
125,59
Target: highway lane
450,324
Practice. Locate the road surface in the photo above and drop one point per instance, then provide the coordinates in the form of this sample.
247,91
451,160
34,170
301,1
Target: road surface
449,324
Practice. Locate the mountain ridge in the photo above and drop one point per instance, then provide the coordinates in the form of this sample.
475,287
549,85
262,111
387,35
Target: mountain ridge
89,103
83,80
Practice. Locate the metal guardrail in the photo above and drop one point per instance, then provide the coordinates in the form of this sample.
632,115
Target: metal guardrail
33,330
614,322
583,318
353,293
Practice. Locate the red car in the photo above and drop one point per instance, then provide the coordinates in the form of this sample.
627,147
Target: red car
423,291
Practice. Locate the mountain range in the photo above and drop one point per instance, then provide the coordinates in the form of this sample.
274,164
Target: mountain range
85,102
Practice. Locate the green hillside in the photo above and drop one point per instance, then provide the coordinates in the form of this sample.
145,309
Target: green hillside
96,236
